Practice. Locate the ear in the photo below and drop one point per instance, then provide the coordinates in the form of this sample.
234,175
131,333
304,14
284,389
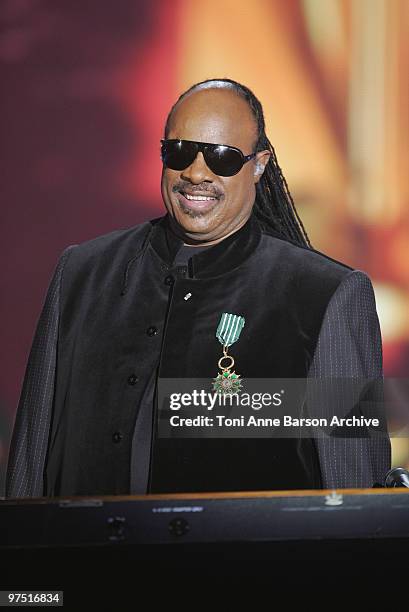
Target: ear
260,162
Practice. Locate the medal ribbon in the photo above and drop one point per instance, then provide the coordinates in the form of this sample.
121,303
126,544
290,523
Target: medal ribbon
229,328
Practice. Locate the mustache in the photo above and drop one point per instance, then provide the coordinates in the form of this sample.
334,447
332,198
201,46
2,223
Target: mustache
204,188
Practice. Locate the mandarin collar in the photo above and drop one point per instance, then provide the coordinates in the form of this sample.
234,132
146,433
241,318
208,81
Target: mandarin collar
223,257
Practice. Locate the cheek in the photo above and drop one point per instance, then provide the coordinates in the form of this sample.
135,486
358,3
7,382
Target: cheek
169,178
241,191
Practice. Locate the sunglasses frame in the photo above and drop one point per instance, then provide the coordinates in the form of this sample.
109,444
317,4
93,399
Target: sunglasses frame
201,148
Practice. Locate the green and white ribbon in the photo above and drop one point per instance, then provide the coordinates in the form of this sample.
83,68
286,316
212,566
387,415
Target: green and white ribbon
229,328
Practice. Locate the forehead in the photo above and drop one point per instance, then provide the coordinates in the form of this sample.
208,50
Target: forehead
219,116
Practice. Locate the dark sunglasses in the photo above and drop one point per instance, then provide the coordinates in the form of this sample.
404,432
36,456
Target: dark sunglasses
221,159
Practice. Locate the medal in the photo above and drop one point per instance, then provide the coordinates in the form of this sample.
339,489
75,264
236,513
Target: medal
228,332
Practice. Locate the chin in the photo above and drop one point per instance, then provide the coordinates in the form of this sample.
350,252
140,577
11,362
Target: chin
195,220
195,228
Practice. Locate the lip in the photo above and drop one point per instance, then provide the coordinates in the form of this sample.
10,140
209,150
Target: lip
197,204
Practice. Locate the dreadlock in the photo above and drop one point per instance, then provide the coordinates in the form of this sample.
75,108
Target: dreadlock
274,206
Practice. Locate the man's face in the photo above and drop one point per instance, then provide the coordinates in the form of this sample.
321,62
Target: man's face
217,116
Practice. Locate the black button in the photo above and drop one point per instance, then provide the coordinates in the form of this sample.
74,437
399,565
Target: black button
169,280
117,437
152,331
133,379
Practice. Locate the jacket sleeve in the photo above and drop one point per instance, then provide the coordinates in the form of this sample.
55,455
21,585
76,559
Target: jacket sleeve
25,469
350,347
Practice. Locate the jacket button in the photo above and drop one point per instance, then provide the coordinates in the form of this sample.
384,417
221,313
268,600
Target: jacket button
133,379
169,280
117,437
152,331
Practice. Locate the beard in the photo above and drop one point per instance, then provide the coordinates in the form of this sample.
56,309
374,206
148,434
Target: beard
197,214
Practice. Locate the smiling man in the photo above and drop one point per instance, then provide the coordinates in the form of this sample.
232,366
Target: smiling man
209,201
163,300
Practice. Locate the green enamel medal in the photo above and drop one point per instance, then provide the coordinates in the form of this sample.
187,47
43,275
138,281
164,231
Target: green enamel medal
227,333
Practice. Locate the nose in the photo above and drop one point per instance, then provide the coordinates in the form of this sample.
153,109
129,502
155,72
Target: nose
198,172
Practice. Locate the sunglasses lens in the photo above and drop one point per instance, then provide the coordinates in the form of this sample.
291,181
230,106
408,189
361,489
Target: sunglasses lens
178,155
223,160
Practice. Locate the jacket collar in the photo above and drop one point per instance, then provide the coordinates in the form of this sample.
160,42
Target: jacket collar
223,257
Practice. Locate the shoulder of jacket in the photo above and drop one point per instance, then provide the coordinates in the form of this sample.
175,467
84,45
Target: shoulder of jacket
110,252
131,237
307,259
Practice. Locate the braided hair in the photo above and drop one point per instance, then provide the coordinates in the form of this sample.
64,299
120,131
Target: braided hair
274,206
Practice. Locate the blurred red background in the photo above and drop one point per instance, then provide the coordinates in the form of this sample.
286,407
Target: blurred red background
86,87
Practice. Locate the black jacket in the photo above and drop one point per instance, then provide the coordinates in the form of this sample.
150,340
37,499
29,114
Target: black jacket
112,314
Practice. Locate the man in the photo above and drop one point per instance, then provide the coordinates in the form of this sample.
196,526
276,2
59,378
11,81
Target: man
136,305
